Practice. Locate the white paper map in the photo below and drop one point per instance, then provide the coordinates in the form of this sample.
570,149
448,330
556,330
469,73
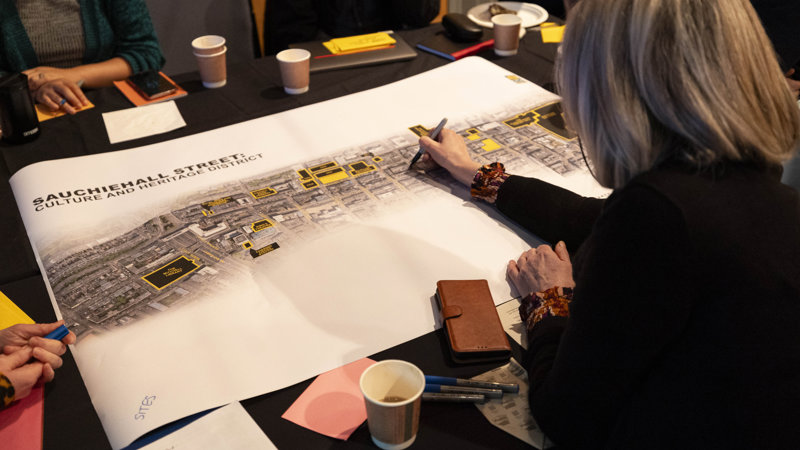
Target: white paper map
224,265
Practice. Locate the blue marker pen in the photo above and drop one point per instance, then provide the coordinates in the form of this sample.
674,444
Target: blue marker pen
449,381
58,334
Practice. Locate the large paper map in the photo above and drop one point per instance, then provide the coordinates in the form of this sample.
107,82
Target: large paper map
239,261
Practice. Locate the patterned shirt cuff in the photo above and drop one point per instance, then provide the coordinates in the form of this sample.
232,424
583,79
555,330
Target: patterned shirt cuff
488,180
6,390
553,302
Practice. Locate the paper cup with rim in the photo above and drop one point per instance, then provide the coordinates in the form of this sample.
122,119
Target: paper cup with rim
295,64
208,45
213,70
392,392
506,29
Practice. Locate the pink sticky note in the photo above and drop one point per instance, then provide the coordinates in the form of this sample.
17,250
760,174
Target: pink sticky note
21,423
332,405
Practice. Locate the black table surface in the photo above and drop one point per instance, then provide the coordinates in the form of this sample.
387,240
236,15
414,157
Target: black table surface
253,90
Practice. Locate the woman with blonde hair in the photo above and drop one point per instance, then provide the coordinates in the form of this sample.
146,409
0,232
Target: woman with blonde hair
676,326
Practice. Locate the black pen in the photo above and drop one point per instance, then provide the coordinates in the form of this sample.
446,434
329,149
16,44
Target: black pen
433,135
458,398
445,389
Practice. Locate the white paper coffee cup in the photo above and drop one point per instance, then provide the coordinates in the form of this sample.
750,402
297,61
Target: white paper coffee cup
295,64
207,45
392,392
506,34
213,69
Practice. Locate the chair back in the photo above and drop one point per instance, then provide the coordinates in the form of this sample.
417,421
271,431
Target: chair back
178,22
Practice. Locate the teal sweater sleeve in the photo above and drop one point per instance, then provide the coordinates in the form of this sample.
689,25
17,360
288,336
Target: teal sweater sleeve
112,28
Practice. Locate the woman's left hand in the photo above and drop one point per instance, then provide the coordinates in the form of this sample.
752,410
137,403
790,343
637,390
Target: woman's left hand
541,268
49,351
61,94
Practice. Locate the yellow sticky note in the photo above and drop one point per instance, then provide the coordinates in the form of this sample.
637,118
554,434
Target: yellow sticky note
44,113
360,42
552,33
10,314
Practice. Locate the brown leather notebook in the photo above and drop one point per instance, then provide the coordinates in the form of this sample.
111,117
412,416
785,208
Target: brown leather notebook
473,328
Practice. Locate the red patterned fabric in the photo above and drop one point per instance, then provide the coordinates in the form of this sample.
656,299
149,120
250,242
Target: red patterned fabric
553,302
487,181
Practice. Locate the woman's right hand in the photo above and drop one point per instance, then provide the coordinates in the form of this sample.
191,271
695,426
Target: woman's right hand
451,153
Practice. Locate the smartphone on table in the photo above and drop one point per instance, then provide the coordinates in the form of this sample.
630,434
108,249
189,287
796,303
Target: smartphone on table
151,85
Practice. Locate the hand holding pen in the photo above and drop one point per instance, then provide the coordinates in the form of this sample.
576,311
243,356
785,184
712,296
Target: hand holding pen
48,341
433,135
451,152
31,353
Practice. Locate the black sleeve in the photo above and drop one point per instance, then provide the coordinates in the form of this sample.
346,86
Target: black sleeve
550,212
627,307
780,19
414,13
289,22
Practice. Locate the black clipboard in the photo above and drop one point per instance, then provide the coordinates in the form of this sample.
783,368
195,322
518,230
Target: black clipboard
322,59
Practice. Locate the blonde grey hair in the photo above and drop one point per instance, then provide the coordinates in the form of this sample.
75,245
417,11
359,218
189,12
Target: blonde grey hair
648,80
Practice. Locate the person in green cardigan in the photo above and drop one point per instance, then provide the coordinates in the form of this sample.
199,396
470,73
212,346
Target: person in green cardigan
65,44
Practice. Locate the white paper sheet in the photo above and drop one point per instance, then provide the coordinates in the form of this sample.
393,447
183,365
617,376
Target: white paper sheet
356,261
134,123
512,413
509,317
229,427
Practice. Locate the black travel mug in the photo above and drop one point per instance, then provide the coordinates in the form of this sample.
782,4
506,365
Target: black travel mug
18,119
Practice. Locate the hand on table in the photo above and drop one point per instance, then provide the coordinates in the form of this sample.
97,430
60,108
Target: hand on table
41,75
31,337
451,153
56,88
541,268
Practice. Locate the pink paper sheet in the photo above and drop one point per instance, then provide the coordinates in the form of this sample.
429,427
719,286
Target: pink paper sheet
332,405
21,423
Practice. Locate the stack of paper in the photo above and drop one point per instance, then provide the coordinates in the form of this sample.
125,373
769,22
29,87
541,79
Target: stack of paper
362,42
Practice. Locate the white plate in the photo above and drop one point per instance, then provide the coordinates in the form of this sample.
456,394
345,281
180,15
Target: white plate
530,14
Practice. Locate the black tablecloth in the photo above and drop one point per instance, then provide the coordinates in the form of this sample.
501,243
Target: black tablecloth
253,90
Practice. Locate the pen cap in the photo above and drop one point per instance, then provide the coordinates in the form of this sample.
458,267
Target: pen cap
18,119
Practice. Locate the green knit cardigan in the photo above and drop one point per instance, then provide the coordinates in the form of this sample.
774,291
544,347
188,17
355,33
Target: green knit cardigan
111,28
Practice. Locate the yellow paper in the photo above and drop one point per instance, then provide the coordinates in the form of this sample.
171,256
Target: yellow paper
44,113
552,33
10,314
360,42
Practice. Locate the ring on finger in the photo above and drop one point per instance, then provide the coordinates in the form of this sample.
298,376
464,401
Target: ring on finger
61,103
